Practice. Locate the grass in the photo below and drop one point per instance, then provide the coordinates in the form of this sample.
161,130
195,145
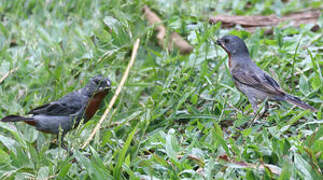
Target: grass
178,116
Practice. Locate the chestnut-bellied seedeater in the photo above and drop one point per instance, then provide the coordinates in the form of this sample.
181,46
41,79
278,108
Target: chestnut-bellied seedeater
252,81
66,113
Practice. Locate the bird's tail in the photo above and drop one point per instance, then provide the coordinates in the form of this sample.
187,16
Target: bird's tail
15,118
296,101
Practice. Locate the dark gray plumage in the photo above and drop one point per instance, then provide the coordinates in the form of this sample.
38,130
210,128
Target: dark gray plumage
250,79
67,112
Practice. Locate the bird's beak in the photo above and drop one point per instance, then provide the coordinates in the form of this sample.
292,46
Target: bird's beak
106,86
219,42
108,83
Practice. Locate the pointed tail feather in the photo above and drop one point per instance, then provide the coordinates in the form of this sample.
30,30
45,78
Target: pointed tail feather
296,101
14,118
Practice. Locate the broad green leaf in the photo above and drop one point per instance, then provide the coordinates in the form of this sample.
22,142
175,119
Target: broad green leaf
305,169
43,173
4,157
122,154
64,170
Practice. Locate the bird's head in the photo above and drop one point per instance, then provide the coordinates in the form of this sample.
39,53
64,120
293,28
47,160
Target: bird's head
233,45
98,84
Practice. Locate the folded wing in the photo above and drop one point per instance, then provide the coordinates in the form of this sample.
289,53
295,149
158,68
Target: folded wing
67,105
260,81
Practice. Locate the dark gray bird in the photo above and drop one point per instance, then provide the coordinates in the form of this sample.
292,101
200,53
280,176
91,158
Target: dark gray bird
250,79
66,113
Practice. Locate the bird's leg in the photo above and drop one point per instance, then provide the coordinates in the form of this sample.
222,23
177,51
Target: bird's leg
57,142
257,110
253,102
62,144
60,140
259,115
266,108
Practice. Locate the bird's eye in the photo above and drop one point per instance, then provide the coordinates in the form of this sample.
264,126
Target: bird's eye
97,81
226,40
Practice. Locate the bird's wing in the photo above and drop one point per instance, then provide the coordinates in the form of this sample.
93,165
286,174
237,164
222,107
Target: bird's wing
67,105
260,81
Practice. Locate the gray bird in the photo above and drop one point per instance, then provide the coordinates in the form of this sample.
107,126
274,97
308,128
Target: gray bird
66,113
252,81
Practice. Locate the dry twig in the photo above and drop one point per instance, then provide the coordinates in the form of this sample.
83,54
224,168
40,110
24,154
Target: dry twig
114,98
178,41
274,169
250,23
153,19
7,74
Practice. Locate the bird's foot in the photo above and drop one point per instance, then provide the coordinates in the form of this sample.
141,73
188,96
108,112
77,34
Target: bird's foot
68,150
63,145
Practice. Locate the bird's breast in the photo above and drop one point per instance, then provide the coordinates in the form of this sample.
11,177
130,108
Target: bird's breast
230,62
94,104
